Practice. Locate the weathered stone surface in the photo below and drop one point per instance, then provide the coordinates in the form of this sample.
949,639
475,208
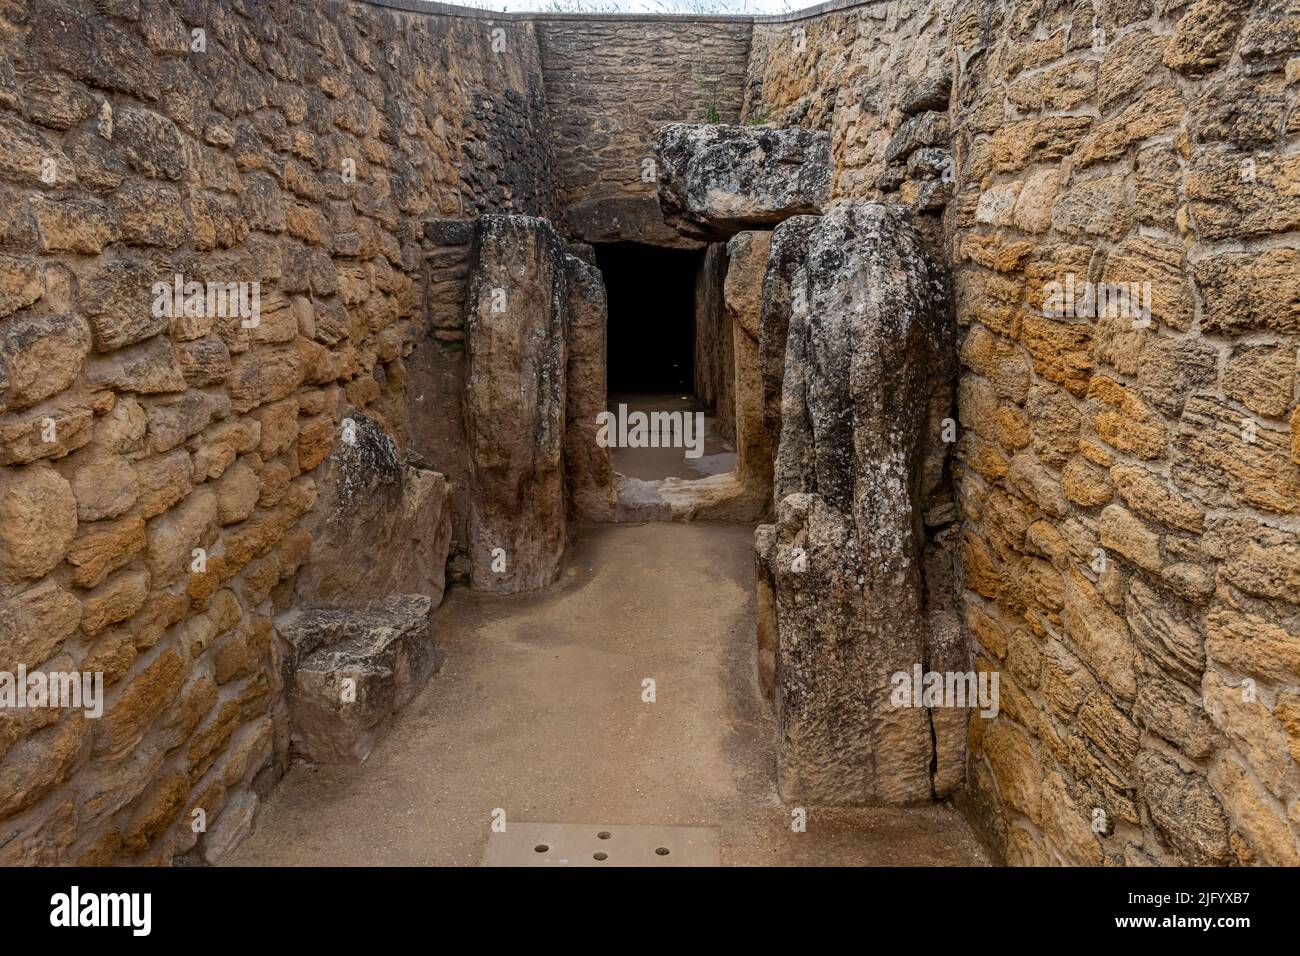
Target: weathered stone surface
747,258
34,623
82,226
1074,435
98,553
230,828
715,366
1067,826
624,219
40,356
1252,644
1262,377
589,476
152,690
1249,724
119,302
149,368
174,536
38,518
787,252
1204,36
1172,712
350,671
1269,835
1185,808
1221,456
38,763
844,559
117,599
1100,635
716,180
174,419
382,525
1162,630
516,360
22,282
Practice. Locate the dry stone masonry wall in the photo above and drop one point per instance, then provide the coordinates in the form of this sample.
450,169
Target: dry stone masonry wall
158,466
1131,477
1129,492
609,84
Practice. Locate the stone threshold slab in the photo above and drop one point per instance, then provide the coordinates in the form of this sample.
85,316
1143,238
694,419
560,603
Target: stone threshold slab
602,844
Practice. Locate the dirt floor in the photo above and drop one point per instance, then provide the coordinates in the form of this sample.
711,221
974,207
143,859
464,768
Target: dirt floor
651,464
538,710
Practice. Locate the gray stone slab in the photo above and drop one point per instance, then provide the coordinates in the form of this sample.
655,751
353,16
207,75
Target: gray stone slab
602,844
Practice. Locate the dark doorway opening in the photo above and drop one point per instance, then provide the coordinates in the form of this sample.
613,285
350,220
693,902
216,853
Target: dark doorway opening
651,333
650,362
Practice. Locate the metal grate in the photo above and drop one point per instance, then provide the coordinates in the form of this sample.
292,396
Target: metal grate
602,844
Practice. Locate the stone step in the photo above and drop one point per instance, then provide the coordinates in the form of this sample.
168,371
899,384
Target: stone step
348,672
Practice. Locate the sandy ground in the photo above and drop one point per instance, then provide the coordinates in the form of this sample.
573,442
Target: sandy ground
651,464
538,710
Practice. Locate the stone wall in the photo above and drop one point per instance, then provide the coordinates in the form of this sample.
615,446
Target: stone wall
609,83
864,74
1129,494
1130,483
134,153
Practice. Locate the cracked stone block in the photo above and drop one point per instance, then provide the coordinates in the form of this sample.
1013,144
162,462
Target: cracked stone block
349,672
718,180
382,524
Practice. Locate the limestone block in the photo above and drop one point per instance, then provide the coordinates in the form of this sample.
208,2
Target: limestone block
844,555
589,476
515,391
716,180
382,525
351,671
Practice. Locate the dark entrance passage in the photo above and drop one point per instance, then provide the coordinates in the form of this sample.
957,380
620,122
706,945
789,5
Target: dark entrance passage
651,336
651,366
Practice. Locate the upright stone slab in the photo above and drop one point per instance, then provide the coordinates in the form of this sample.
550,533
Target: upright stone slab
718,180
747,254
715,370
786,254
517,323
843,558
589,474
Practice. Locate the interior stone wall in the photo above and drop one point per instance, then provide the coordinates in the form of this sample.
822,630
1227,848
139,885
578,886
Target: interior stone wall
610,82
859,74
1131,488
1128,495
127,439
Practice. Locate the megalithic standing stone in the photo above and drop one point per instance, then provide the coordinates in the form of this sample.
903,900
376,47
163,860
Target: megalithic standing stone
843,558
589,472
516,333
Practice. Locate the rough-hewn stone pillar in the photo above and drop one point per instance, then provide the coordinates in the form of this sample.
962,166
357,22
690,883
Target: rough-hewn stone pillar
589,475
844,555
516,330
786,253
742,295
714,371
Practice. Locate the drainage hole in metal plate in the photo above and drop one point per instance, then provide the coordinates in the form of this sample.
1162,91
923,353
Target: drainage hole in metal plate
601,857
603,835
662,851
541,848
